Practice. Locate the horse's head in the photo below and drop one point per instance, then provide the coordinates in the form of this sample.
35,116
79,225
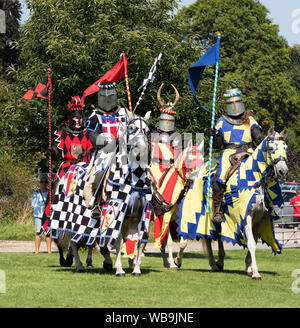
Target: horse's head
276,149
137,137
190,160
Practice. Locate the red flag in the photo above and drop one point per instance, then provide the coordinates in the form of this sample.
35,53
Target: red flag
115,74
40,90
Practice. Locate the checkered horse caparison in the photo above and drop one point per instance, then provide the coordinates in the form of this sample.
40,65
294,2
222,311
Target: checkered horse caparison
127,179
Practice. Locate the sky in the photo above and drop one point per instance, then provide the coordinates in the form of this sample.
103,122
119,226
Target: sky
285,13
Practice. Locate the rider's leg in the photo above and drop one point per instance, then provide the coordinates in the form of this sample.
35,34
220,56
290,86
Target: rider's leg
96,211
218,193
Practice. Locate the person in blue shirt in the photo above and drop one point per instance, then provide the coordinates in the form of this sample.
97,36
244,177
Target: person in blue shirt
38,203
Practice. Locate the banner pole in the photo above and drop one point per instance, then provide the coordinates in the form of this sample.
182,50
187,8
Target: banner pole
50,133
208,192
127,88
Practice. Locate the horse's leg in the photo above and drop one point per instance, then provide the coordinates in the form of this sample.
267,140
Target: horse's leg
252,247
182,246
89,262
107,263
221,256
62,260
119,271
69,257
248,268
211,259
79,266
163,253
138,260
170,251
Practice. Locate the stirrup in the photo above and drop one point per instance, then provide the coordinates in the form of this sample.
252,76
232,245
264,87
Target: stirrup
96,212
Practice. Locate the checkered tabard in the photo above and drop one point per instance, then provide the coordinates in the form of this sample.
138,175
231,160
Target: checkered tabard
70,212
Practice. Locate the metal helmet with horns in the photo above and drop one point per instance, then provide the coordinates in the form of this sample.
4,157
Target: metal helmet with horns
168,112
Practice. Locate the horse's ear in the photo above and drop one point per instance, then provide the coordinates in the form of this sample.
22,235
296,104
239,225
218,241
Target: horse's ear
284,133
130,115
200,147
271,132
147,116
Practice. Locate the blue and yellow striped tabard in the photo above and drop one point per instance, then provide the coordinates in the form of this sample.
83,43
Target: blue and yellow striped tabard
236,135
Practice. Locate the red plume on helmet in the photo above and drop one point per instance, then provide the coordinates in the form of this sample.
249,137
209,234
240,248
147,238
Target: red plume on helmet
75,104
76,109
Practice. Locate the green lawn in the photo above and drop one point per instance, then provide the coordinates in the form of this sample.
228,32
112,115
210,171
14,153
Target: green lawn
38,281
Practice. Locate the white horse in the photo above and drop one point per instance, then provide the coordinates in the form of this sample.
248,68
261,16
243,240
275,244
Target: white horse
132,227
269,163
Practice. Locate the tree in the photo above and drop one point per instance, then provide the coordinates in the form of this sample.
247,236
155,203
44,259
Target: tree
253,56
8,40
80,41
294,67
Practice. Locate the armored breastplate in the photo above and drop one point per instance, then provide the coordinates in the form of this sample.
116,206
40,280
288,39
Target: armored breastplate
108,124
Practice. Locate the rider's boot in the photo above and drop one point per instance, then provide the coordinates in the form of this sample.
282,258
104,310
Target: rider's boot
218,193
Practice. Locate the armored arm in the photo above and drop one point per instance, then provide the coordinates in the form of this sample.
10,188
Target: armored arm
53,151
217,138
257,136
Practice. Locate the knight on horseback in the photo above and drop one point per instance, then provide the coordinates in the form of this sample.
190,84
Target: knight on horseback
236,130
106,124
166,144
73,142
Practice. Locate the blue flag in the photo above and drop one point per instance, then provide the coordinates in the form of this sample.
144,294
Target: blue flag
196,70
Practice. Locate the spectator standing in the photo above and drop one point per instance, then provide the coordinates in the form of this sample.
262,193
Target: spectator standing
295,202
38,204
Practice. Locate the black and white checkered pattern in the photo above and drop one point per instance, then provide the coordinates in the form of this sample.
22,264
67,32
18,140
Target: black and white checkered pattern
149,78
71,213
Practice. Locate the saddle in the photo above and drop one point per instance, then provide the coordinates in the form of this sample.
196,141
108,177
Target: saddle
235,160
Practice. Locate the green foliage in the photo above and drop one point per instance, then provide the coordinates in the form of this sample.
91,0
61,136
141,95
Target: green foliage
80,41
16,187
8,40
253,56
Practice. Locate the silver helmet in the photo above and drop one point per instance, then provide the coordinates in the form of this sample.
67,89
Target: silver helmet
107,96
168,112
234,102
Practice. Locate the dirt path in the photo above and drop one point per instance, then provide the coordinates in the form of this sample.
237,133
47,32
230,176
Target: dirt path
11,246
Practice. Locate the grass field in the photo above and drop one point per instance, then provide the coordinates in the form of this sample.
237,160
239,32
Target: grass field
38,281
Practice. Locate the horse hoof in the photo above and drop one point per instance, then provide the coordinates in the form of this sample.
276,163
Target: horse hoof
81,271
220,267
107,267
120,274
90,266
136,274
256,278
177,264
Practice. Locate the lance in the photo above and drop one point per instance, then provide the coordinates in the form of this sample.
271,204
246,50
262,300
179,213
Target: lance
149,78
208,192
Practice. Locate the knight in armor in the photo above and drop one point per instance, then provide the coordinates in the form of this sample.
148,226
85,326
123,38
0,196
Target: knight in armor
166,145
235,132
73,142
106,124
